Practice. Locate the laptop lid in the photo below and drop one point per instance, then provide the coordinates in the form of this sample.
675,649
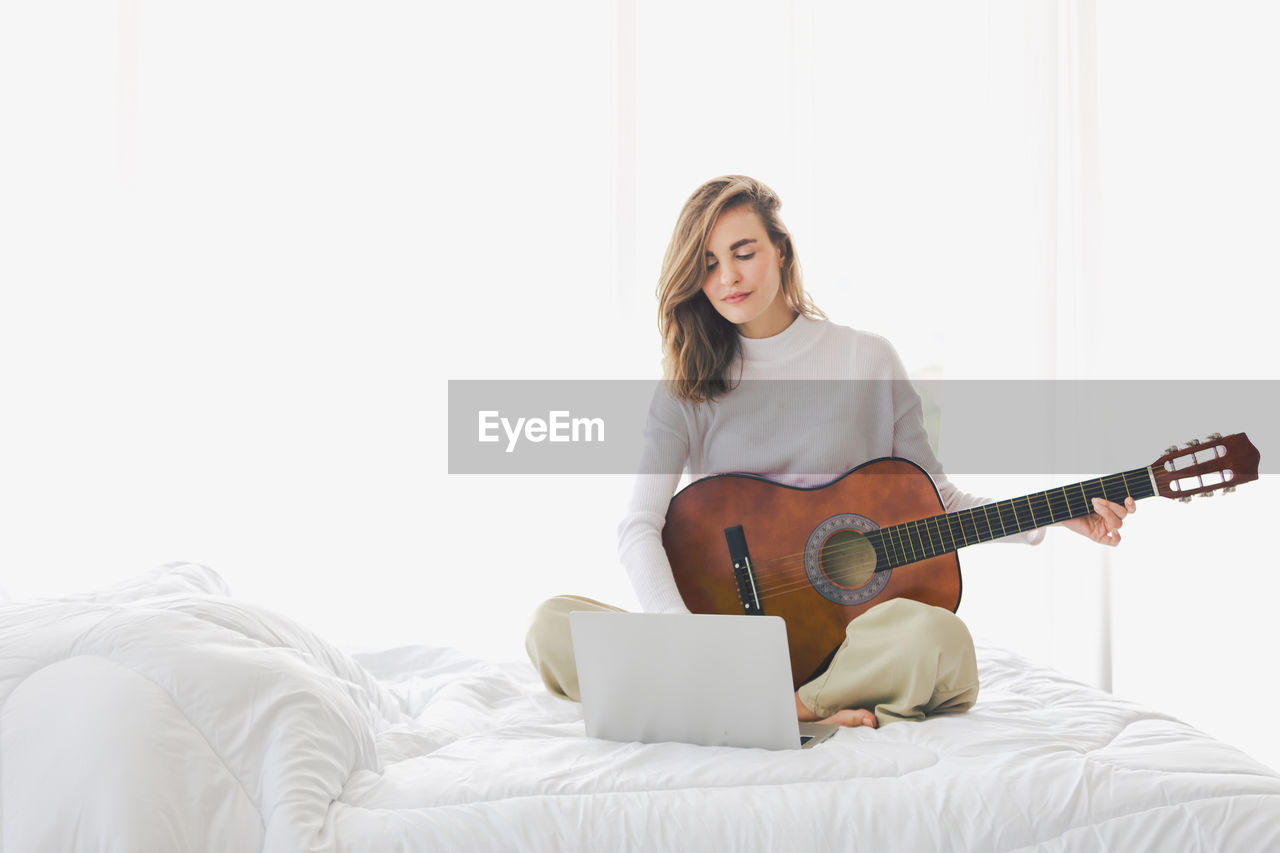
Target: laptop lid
704,679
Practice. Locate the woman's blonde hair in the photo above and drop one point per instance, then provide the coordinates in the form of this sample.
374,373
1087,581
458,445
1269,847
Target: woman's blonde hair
698,345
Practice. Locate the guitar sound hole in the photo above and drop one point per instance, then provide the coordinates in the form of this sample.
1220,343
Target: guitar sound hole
840,562
848,559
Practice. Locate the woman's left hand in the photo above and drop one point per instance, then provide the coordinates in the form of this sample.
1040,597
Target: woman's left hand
1103,524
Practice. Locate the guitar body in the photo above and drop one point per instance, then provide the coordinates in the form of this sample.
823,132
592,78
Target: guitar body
797,539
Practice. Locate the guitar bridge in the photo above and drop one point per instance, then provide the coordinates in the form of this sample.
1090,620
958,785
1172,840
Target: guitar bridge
748,593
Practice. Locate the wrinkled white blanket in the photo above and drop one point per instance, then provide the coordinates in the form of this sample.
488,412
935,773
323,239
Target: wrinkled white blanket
164,715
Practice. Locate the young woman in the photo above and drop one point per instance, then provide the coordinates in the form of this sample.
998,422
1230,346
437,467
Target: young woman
733,310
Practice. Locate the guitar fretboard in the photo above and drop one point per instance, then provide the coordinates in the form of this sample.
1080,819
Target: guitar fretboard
912,541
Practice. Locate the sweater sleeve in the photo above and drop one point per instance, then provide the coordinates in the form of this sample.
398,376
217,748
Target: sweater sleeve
911,441
665,454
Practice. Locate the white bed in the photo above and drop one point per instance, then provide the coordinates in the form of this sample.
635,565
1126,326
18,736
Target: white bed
165,715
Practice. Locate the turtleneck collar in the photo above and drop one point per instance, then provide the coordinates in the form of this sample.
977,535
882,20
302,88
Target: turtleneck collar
791,341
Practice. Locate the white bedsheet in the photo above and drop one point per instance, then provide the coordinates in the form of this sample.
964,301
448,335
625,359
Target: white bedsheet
165,715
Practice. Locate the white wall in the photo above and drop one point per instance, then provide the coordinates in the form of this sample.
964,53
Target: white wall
1188,134
246,247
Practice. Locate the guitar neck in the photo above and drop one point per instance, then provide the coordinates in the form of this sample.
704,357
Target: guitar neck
912,541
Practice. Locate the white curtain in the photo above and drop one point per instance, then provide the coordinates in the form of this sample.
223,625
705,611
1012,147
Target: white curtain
248,245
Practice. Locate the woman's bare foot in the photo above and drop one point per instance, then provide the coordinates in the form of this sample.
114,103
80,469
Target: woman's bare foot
850,717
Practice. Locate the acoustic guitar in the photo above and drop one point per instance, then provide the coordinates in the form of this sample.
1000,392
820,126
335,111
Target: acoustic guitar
819,557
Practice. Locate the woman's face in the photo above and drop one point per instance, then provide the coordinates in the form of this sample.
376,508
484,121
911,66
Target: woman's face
744,275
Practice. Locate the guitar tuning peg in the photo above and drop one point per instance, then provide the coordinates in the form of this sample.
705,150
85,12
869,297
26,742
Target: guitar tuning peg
1228,489
1193,442
1207,494
1185,500
1173,448
1214,436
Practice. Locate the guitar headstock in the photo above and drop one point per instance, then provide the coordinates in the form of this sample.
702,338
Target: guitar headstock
1199,467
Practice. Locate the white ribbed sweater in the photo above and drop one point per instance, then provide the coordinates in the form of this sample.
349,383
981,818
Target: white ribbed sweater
804,432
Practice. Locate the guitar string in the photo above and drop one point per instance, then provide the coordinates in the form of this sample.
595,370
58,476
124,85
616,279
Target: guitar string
787,574
798,583
801,583
787,579
1054,502
795,576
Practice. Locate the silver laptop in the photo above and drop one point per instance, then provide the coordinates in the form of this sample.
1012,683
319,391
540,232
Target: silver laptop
708,680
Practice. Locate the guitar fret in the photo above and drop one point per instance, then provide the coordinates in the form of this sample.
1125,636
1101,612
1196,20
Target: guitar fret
935,536
996,506
1102,493
942,543
1023,519
1072,512
1124,482
1032,523
897,529
1140,479
1114,494
916,540
885,551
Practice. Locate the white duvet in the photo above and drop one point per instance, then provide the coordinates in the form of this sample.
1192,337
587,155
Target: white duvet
164,715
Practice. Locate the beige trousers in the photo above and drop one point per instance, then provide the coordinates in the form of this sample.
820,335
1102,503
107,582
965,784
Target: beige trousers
902,660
